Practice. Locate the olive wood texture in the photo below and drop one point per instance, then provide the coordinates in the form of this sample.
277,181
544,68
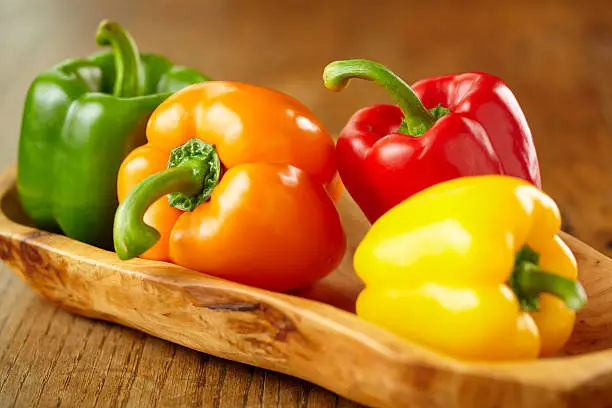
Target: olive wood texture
303,334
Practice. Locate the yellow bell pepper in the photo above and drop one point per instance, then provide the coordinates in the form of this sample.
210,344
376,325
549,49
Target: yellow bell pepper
474,268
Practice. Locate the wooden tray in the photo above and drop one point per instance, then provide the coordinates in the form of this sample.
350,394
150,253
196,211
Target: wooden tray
311,334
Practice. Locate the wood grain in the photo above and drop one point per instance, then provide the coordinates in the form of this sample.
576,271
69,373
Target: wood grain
51,358
555,55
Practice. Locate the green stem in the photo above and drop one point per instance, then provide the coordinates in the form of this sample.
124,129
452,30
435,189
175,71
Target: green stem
127,58
529,281
131,235
417,118
193,171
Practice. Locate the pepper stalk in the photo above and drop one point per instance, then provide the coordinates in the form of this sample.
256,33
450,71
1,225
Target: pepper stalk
528,281
128,81
193,171
417,118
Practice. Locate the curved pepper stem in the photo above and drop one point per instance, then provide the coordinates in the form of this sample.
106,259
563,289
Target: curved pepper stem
194,169
528,281
417,119
127,58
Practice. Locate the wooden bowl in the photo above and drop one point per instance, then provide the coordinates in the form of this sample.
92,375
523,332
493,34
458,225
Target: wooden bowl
311,334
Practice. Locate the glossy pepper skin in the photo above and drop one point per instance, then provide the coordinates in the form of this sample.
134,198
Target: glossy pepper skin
246,169
442,128
81,118
480,273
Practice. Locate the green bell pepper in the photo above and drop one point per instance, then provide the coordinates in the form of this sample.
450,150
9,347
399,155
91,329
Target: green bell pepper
81,118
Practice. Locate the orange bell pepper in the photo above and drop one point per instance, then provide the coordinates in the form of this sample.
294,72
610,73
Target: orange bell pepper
233,182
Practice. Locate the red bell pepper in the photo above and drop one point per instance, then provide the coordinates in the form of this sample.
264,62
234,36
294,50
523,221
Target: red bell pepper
442,128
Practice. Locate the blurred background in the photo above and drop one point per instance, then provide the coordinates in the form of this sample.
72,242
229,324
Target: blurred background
556,56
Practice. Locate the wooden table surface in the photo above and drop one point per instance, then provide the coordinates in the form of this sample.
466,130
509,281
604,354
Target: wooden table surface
555,55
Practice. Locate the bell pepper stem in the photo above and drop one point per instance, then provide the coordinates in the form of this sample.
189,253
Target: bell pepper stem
194,169
531,280
417,119
132,235
127,58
